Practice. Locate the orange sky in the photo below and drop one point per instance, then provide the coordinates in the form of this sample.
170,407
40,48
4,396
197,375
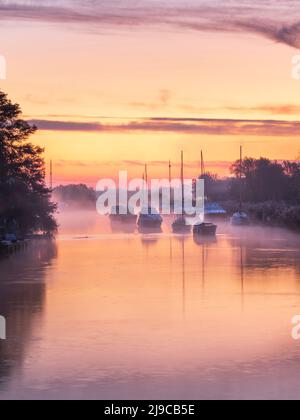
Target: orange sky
117,78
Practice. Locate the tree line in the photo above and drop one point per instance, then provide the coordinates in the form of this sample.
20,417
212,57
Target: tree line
25,200
257,181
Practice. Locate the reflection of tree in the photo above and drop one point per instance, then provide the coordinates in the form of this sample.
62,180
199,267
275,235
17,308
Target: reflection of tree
272,250
182,239
22,298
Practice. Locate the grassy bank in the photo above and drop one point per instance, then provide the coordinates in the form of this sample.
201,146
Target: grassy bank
269,213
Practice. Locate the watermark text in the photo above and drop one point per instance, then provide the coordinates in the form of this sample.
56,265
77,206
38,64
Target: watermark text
296,327
138,196
2,328
2,67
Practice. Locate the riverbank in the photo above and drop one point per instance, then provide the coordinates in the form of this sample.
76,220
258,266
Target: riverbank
277,214
168,293
8,248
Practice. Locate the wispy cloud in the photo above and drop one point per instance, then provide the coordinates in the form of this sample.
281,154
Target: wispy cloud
216,127
271,109
193,165
275,20
160,102
284,109
49,125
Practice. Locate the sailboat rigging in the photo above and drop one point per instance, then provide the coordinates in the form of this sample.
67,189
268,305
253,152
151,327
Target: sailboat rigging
181,225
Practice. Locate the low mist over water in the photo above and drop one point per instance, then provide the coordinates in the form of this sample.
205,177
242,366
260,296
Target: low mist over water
106,313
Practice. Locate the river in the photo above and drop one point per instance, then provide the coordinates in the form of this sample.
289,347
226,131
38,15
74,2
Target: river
106,312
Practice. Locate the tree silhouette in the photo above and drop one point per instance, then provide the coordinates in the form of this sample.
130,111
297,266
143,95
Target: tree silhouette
266,180
25,200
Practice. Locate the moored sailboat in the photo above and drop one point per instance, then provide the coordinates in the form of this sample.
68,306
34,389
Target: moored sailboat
204,229
181,225
122,214
149,217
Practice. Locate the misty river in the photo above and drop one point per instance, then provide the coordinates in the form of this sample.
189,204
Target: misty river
106,312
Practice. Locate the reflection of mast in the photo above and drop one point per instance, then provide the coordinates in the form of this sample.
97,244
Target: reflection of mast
203,266
242,277
171,249
183,277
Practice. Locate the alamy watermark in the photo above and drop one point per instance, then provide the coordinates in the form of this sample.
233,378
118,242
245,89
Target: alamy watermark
296,67
296,327
2,67
2,328
139,196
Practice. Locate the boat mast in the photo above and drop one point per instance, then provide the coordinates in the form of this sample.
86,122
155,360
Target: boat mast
146,185
146,174
240,177
202,164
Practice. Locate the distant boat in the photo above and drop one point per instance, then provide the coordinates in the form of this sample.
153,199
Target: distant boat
180,225
214,210
122,214
240,218
205,229
150,218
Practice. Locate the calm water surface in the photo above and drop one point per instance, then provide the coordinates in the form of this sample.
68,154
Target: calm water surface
106,312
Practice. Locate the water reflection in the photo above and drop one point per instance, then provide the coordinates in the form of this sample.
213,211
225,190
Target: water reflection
22,300
122,227
149,230
158,316
204,240
149,237
265,248
182,240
